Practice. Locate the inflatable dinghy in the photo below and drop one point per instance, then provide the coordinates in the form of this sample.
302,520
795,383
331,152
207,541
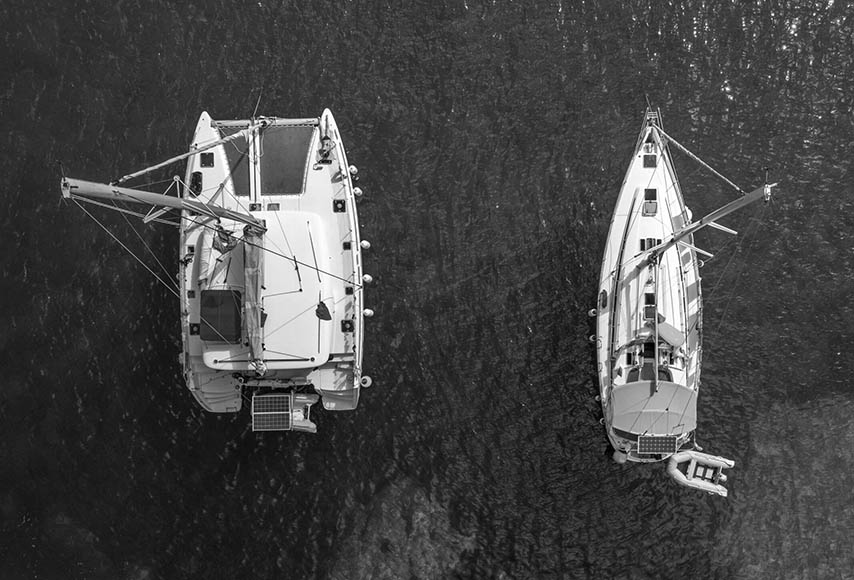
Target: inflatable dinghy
699,471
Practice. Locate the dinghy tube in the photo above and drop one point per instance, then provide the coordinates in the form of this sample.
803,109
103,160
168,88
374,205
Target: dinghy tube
699,471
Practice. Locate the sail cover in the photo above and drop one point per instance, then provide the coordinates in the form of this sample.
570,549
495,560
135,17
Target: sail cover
253,256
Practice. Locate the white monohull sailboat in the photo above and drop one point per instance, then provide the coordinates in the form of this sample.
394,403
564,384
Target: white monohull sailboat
649,316
270,278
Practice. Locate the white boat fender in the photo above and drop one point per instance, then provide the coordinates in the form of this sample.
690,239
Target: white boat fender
366,381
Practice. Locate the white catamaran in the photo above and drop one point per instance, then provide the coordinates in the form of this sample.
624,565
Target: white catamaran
649,316
270,276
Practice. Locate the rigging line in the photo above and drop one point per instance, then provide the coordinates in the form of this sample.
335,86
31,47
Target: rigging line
660,415
222,189
173,290
674,183
123,210
232,357
313,252
258,102
701,162
231,168
293,356
687,404
737,278
355,284
150,251
153,273
729,262
268,296
286,322
150,183
288,243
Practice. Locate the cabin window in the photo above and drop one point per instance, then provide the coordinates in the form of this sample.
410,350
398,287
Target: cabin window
649,299
649,161
649,243
206,160
221,316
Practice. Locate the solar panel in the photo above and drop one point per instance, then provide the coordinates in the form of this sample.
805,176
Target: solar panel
272,412
651,444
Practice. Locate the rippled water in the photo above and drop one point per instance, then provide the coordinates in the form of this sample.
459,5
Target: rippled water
492,139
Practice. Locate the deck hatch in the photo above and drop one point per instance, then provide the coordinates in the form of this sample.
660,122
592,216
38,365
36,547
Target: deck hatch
272,412
221,320
650,202
653,444
285,157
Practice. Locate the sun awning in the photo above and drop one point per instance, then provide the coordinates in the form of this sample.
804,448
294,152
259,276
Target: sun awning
639,408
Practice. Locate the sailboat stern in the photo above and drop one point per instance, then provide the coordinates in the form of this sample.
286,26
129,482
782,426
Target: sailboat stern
650,420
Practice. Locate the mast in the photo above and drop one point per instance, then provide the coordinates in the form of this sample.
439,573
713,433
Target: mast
77,188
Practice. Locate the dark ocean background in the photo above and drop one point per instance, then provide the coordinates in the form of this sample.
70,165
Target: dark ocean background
491,138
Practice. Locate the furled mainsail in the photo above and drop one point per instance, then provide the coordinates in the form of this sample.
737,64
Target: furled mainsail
253,256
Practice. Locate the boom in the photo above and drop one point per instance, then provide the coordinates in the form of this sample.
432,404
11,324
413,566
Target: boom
78,188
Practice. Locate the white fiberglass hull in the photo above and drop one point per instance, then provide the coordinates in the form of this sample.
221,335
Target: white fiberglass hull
649,313
279,310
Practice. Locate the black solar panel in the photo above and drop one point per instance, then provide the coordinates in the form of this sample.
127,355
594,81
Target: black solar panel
271,412
649,444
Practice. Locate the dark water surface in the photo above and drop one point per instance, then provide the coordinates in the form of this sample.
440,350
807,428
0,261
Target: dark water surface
492,138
